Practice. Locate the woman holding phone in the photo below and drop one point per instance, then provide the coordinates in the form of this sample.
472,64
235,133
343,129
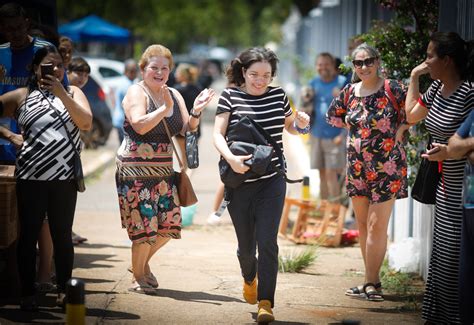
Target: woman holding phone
46,112
444,106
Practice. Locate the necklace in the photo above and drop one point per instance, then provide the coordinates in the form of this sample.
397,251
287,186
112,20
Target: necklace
157,96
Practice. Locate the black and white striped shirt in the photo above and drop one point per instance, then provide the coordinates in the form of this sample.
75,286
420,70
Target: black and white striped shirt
46,153
446,114
269,110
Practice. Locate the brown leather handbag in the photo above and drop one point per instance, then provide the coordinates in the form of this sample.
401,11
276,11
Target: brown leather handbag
186,193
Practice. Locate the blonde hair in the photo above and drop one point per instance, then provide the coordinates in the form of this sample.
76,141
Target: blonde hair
155,50
187,72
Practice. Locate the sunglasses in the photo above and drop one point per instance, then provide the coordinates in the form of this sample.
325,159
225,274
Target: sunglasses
367,62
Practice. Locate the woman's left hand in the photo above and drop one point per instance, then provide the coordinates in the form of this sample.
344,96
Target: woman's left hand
301,119
52,84
439,152
401,136
203,99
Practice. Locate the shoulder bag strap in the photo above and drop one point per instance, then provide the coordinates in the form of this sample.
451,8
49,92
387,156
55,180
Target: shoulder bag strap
181,166
347,94
390,94
62,122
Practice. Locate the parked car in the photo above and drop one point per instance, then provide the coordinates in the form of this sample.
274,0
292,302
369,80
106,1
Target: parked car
101,115
108,74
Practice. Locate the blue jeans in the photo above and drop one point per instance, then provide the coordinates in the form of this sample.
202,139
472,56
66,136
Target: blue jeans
255,209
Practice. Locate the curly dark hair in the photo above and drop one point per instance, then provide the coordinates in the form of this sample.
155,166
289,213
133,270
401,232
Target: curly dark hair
246,59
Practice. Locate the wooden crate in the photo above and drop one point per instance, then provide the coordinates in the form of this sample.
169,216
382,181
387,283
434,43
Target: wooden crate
8,206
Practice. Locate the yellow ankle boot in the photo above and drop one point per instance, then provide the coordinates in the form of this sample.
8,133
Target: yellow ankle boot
250,291
265,314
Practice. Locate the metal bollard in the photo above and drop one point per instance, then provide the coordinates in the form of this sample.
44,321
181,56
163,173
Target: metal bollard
75,308
306,195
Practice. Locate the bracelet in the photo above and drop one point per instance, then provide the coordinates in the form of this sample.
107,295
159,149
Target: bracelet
194,114
305,130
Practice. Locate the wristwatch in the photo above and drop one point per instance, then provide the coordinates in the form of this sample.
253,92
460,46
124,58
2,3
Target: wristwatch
194,114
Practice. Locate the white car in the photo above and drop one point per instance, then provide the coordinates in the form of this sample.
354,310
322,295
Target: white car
108,74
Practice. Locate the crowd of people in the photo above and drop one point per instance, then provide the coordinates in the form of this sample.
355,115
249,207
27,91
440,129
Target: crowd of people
357,131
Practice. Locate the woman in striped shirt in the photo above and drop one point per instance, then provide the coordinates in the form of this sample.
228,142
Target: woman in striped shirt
445,105
255,206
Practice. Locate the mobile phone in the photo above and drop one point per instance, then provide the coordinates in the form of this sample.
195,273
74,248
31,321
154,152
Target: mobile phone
46,69
433,150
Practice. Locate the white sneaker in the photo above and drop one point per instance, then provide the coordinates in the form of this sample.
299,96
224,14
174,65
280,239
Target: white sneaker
213,219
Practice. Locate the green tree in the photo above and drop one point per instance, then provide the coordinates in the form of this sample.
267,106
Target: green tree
402,44
179,23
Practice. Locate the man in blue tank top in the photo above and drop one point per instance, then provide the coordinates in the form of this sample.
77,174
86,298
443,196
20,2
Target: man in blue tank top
327,142
15,60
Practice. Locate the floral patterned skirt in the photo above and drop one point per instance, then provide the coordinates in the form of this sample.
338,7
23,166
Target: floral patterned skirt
149,203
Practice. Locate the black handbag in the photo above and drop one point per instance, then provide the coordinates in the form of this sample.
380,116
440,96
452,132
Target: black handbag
192,152
426,182
78,173
247,137
259,163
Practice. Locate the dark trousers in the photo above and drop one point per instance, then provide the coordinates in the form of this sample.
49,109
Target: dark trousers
255,210
466,270
57,199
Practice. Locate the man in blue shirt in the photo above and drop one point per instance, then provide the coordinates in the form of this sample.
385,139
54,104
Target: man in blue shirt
461,144
15,61
118,116
327,142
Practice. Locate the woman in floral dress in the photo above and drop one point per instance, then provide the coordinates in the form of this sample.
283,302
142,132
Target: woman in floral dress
372,110
146,186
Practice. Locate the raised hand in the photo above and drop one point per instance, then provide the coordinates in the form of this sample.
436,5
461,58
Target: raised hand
301,119
420,69
203,99
167,99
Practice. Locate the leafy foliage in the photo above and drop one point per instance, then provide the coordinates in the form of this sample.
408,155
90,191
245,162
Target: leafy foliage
180,23
402,43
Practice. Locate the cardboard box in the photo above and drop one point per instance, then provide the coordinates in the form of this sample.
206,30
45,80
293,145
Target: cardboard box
8,206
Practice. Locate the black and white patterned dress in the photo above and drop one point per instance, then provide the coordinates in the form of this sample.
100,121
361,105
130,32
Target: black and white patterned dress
440,303
46,153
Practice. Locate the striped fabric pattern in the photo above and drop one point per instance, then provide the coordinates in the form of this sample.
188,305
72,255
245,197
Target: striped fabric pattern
441,300
269,110
46,153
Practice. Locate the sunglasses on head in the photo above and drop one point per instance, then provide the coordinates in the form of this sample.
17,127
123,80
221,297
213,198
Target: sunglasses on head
367,62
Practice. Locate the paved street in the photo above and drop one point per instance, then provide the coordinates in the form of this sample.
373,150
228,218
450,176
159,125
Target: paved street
199,276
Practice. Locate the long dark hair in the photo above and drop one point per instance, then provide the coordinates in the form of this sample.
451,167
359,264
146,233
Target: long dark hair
39,55
246,59
462,52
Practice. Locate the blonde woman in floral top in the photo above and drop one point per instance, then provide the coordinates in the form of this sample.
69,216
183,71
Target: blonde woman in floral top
146,185
372,111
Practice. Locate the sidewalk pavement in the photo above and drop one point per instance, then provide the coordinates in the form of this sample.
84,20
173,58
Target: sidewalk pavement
199,275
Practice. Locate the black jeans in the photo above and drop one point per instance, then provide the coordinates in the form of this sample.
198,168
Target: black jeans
466,269
57,199
255,209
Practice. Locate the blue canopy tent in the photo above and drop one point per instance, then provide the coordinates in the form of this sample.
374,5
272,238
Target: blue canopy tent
94,29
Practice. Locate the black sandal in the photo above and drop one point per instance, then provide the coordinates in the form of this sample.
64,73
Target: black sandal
372,295
358,291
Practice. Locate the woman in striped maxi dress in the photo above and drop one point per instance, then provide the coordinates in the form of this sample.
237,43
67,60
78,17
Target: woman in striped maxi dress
445,105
